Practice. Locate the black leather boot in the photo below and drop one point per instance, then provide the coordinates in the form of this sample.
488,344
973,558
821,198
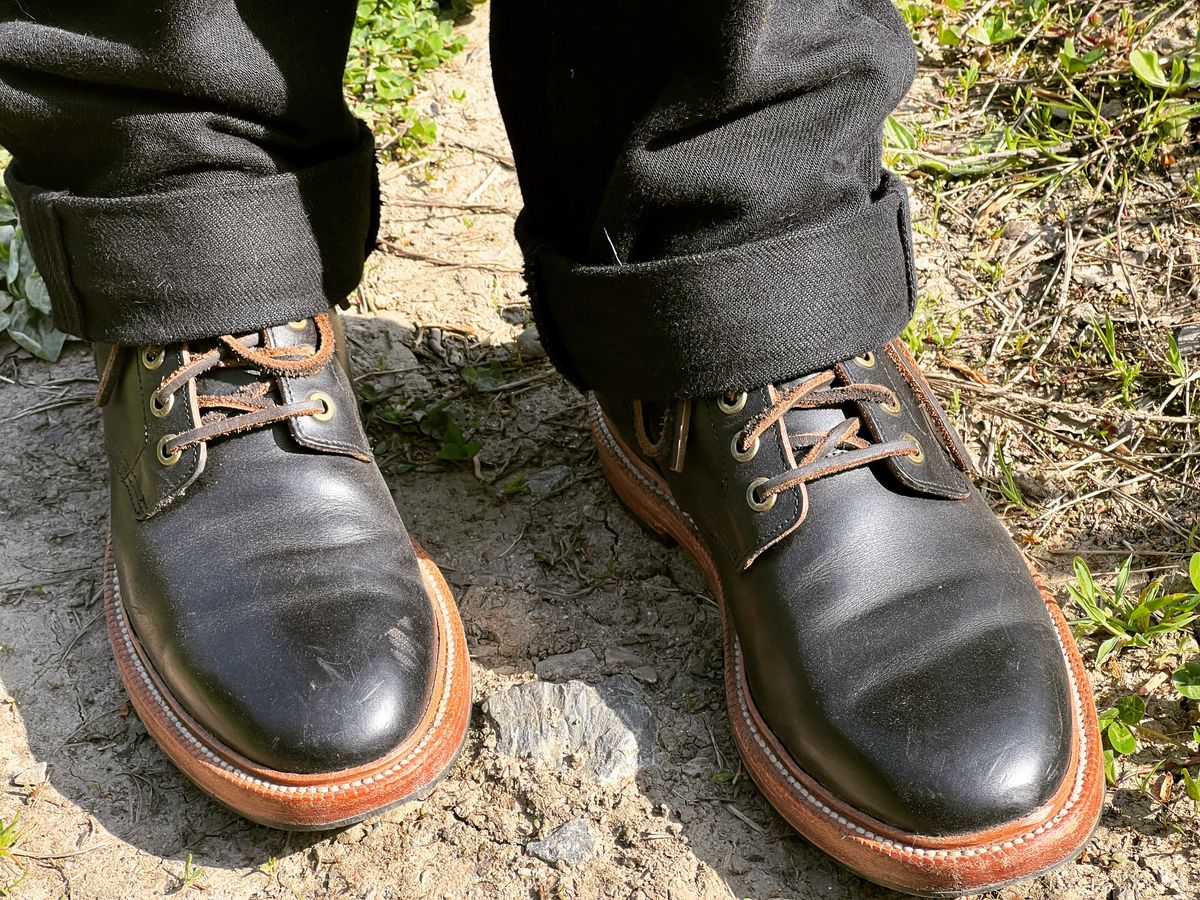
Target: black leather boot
902,687
280,634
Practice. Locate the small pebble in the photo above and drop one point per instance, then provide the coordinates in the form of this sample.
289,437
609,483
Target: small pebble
529,344
645,675
566,665
572,843
31,777
547,481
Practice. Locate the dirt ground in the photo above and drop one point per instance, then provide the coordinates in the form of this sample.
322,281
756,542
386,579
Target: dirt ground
543,561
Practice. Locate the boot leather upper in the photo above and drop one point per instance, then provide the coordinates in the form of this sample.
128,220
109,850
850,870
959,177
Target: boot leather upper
892,635
267,574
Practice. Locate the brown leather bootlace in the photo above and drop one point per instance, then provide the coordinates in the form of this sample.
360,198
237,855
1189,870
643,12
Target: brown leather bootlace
829,452
249,406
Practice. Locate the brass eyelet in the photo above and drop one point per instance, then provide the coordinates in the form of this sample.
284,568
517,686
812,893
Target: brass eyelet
919,457
731,407
736,451
152,357
326,401
893,406
298,325
867,360
752,496
167,459
159,409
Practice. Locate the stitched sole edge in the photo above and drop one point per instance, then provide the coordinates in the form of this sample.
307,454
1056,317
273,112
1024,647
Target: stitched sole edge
916,864
305,802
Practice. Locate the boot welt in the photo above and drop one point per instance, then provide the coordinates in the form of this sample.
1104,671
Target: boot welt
305,802
924,865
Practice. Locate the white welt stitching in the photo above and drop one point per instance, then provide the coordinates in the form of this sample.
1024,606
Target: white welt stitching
447,630
813,801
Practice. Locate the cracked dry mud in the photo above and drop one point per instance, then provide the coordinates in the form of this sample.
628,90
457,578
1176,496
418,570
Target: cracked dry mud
537,573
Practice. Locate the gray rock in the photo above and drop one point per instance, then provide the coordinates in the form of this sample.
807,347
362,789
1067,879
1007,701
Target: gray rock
571,843
1188,339
547,481
32,777
645,674
566,665
608,728
529,344
619,657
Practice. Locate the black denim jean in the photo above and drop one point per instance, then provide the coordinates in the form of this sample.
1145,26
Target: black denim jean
705,207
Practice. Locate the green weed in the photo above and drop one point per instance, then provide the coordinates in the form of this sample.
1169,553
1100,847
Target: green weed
1175,362
394,43
1008,484
9,835
1118,726
1186,680
191,875
24,300
1125,371
429,418
1072,91
1131,619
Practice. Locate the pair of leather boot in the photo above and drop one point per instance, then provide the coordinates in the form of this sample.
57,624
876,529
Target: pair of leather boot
901,685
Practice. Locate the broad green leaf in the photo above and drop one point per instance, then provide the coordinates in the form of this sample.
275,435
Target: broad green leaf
1103,651
1191,785
1187,680
950,35
1121,737
1110,768
35,332
979,33
14,258
1084,576
37,294
1148,69
1106,718
1131,709
897,136
1194,571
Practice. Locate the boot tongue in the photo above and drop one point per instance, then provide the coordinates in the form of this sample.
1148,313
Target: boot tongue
224,380
814,421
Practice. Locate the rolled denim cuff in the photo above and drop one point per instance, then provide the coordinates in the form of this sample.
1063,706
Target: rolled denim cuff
731,319
233,253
